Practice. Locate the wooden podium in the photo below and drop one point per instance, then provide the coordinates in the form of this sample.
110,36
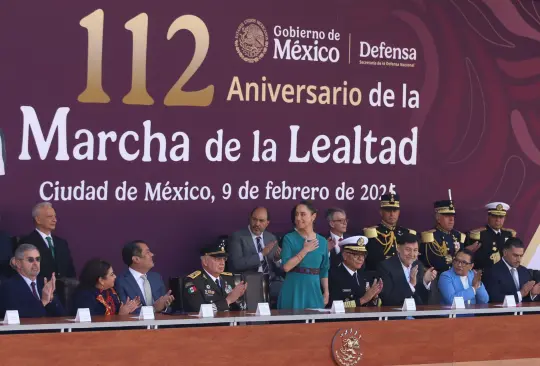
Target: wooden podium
396,342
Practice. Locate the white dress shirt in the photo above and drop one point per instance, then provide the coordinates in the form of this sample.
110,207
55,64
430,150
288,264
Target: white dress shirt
29,283
140,282
465,283
336,238
213,278
516,279
407,271
44,236
254,237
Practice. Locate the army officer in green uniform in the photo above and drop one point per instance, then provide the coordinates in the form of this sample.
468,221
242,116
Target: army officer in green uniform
213,286
384,237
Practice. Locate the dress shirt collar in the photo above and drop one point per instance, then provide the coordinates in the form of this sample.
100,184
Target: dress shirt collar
507,265
29,281
351,272
44,236
495,231
212,277
135,274
254,237
335,237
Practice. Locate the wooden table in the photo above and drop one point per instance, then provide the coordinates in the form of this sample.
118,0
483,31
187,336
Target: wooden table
442,340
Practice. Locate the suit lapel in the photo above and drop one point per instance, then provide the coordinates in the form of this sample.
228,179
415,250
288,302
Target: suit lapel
400,273
130,280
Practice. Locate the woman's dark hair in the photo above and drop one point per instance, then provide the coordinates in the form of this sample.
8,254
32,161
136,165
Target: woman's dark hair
92,271
308,204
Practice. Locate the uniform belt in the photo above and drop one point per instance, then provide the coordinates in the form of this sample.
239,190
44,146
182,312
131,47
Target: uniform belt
304,270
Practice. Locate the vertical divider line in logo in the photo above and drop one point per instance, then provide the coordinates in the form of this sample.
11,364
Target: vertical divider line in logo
349,48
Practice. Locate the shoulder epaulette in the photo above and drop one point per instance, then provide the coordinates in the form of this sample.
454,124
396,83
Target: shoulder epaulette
479,229
370,232
427,236
194,275
411,231
226,273
510,230
463,237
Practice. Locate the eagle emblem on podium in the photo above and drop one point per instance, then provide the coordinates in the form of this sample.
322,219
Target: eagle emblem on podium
346,347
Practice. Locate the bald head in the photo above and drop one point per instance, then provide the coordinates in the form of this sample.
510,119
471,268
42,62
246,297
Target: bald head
259,220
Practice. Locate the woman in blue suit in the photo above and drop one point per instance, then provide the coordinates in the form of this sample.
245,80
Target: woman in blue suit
96,291
462,281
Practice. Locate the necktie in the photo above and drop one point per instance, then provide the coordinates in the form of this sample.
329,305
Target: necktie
264,265
218,283
147,291
51,246
34,292
515,277
355,276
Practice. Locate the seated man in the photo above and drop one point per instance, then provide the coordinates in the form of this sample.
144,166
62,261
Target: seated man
138,281
403,275
212,285
31,296
347,282
509,277
462,281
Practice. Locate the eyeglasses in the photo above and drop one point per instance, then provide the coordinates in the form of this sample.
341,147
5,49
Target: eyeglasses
342,221
32,259
461,263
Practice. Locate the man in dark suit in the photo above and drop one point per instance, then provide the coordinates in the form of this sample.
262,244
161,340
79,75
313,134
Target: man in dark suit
348,282
6,252
509,277
54,251
337,221
31,296
384,237
487,242
404,276
254,249
138,281
212,285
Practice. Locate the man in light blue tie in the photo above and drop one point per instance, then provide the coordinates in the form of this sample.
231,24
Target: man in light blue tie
462,281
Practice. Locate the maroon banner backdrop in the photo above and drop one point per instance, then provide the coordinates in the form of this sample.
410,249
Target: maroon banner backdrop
169,121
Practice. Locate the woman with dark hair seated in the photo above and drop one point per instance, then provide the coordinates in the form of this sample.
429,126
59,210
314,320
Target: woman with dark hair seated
96,291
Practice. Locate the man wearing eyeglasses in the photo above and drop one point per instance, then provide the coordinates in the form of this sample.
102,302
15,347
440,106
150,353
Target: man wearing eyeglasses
462,281
383,238
337,221
212,285
347,282
31,296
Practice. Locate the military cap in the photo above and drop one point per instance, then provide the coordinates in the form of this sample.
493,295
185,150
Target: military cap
445,207
390,201
497,208
354,243
215,250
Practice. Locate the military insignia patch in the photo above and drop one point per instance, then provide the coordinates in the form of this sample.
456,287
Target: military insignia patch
192,289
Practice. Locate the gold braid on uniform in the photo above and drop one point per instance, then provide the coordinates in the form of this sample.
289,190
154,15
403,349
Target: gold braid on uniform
389,239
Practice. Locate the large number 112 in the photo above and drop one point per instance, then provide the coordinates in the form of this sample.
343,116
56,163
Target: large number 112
138,94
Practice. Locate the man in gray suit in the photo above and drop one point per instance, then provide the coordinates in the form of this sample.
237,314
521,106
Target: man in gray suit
254,249
139,281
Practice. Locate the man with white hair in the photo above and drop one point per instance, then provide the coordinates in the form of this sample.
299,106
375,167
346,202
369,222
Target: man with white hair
487,242
54,251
